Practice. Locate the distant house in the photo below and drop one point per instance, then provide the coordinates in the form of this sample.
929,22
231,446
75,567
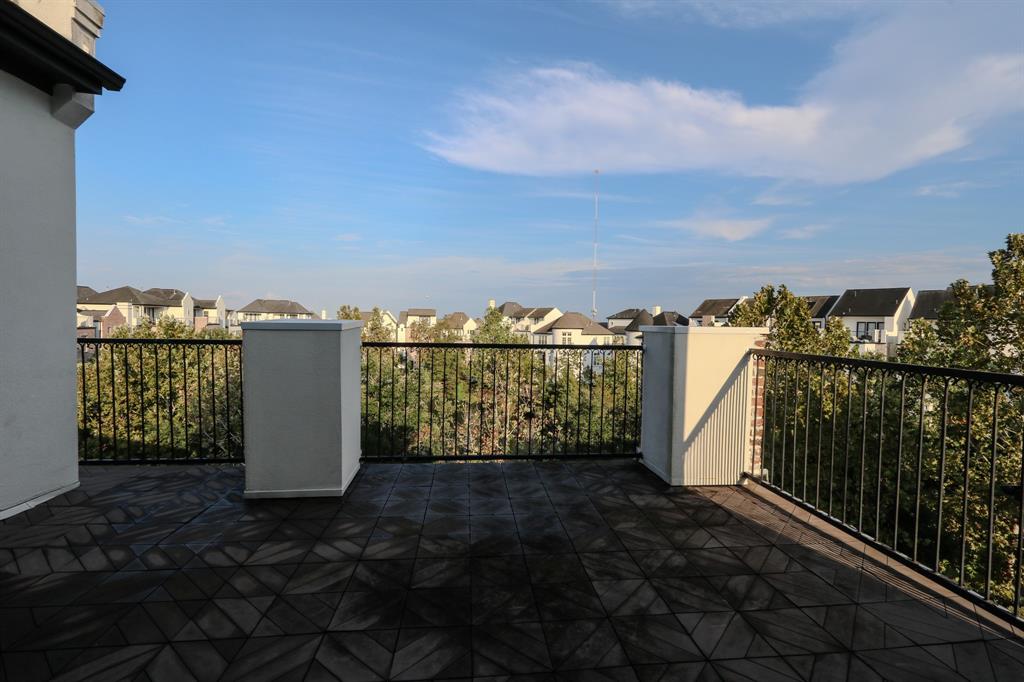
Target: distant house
85,292
820,306
670,318
928,303
460,323
575,329
621,319
714,312
388,320
99,323
137,306
274,309
634,337
875,317
412,316
209,312
527,321
178,304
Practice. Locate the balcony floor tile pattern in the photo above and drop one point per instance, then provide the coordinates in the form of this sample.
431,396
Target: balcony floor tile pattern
531,571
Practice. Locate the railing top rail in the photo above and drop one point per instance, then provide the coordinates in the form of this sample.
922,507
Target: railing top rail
107,341
514,346
970,375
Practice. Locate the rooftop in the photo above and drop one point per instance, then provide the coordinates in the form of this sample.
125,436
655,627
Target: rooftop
869,302
929,302
715,307
589,570
267,305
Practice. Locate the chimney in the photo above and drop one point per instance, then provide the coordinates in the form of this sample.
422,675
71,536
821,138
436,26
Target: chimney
80,21
656,310
707,321
490,303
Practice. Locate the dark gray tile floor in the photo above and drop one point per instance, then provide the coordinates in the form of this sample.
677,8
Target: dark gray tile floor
581,571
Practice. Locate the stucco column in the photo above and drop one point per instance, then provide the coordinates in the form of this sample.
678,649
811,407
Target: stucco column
697,407
301,392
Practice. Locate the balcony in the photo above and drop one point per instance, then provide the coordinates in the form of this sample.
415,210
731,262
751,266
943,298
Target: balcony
829,518
561,570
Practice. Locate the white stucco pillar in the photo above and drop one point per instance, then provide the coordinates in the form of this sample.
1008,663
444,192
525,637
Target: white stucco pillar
697,407
301,406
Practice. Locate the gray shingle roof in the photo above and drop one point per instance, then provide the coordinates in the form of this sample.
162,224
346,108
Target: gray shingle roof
85,292
820,305
124,294
715,307
869,302
170,296
576,321
270,305
456,320
642,319
929,302
421,312
210,303
509,308
670,318
627,314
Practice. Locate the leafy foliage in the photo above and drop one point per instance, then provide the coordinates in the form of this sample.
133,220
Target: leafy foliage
788,318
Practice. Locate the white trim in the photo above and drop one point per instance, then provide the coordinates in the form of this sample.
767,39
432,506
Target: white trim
703,330
312,492
290,325
36,501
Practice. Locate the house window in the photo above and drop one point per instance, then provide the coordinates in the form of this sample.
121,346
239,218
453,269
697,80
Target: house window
250,317
866,330
150,312
566,338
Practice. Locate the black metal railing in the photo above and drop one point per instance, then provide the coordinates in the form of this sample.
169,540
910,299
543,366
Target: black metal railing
159,400
492,401
924,462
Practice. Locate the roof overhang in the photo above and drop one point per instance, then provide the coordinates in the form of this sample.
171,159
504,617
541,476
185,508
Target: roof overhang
38,55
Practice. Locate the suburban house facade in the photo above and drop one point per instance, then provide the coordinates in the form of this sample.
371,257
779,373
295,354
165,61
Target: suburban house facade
209,312
927,305
98,323
575,329
461,324
525,322
152,305
820,307
875,318
274,309
49,77
389,320
714,312
621,319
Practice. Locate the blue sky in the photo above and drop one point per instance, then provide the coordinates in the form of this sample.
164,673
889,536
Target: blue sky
440,154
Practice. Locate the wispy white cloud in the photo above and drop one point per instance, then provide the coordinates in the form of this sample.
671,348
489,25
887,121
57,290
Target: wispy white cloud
589,196
947,190
778,195
746,13
150,220
729,229
912,86
804,231
348,237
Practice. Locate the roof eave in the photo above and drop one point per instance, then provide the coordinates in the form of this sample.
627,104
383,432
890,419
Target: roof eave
38,55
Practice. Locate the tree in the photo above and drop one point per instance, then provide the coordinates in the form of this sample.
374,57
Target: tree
788,318
375,328
420,331
348,312
981,326
495,329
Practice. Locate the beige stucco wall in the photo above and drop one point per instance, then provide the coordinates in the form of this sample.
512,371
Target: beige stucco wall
696,403
38,433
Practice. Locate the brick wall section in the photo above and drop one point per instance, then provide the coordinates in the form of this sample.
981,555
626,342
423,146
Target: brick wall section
757,408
